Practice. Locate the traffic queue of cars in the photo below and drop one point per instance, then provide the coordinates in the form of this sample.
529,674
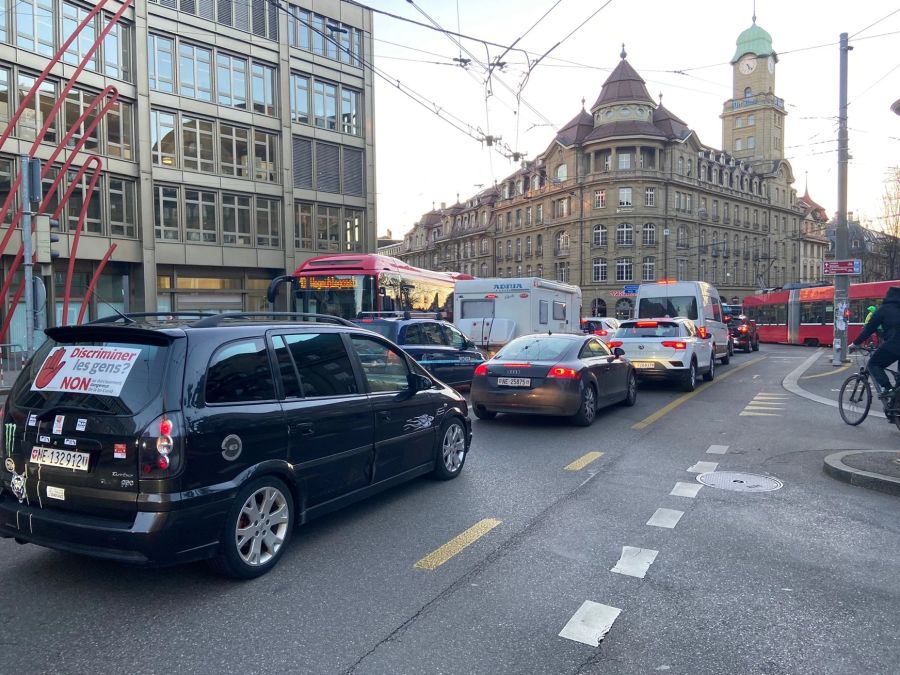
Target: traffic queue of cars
164,438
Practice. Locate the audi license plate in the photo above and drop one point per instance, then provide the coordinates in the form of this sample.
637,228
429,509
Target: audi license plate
643,364
65,459
514,381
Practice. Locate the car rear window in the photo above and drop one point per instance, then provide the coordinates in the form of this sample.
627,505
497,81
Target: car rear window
649,329
675,305
535,348
118,378
388,330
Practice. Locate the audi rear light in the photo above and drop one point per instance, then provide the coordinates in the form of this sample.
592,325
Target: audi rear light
601,332
560,373
481,370
674,344
615,343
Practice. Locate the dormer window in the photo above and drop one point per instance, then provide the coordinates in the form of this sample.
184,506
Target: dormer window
561,172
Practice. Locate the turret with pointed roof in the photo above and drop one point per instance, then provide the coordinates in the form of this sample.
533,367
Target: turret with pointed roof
623,85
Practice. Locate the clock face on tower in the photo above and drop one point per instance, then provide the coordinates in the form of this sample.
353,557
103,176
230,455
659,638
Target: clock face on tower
747,64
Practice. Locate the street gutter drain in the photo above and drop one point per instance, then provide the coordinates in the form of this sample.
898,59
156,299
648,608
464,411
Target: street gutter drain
740,482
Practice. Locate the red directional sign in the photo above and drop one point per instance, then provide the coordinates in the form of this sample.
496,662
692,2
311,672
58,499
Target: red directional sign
842,267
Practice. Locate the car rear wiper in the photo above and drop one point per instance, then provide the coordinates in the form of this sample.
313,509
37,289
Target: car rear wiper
53,409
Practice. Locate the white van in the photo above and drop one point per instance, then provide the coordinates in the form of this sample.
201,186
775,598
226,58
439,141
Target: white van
491,312
694,300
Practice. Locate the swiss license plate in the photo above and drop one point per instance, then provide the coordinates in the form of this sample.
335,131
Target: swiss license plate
514,381
643,364
66,459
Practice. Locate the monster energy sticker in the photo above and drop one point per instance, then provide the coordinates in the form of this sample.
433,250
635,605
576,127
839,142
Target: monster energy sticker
9,437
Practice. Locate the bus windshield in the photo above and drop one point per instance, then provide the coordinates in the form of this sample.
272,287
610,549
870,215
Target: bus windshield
344,295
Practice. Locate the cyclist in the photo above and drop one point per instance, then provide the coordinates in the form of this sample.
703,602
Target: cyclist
886,318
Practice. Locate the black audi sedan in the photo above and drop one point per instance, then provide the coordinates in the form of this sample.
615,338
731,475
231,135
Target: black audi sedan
544,374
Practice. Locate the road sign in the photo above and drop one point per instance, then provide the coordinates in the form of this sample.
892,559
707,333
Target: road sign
630,289
842,266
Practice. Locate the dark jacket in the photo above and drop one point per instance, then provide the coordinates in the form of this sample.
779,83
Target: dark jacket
886,317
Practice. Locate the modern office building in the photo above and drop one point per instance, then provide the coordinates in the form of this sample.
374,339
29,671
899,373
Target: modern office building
238,142
626,192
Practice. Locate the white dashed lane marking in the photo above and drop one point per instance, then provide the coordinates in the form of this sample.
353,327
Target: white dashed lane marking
686,489
765,405
717,449
703,467
665,518
590,624
635,562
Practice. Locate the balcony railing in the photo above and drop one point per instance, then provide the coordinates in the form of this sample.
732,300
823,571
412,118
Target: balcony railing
561,251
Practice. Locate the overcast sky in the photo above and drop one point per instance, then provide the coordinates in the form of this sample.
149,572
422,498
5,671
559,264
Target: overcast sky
682,49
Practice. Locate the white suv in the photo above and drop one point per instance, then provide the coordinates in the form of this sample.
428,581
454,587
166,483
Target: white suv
666,348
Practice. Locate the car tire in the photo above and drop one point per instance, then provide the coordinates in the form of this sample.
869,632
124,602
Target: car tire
588,409
631,391
264,499
451,449
483,413
710,373
689,379
730,347
725,360
756,346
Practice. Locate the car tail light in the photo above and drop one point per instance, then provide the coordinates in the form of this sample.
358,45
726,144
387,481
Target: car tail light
160,449
601,332
701,331
481,370
615,343
744,329
560,373
674,344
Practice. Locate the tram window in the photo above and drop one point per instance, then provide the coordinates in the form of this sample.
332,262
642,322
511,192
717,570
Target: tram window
812,312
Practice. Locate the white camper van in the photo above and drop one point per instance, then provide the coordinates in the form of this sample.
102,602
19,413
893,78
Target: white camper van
694,300
491,312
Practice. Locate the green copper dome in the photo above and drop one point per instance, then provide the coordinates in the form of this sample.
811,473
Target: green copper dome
753,40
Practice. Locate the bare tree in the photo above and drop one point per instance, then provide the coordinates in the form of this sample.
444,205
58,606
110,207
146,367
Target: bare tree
890,222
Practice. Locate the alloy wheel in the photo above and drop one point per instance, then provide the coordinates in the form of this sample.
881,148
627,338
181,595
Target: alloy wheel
453,448
261,526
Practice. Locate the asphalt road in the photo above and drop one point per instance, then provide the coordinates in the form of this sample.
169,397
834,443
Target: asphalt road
803,579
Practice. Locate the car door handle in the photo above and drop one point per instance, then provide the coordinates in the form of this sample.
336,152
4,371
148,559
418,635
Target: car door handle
384,415
304,428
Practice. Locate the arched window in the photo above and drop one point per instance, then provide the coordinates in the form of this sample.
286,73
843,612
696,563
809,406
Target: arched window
561,172
625,234
649,269
748,92
484,271
600,235
624,309
598,307
649,237
562,242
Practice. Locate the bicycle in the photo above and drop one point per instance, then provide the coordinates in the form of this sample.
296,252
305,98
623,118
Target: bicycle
855,398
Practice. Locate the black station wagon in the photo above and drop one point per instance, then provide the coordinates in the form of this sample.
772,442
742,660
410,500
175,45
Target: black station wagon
160,439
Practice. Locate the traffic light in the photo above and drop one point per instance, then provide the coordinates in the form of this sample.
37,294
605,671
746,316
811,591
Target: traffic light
45,229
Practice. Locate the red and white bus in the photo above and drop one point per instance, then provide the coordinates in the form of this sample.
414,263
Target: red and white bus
346,284
805,316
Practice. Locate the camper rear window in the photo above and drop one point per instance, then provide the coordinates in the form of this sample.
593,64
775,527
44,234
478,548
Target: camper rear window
676,305
559,311
477,309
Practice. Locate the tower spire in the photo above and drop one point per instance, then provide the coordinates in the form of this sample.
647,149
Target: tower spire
623,54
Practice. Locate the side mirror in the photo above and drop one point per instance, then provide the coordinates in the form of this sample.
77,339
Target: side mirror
418,382
618,351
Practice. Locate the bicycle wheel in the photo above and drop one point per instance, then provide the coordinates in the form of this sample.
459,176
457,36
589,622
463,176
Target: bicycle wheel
855,399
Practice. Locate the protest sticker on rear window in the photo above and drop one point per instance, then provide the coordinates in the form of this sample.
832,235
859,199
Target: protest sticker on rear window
86,370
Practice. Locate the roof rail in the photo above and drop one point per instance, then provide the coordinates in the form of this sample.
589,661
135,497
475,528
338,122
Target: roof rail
218,319
133,316
400,314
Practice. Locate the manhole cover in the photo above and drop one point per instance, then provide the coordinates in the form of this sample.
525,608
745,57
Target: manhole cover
740,482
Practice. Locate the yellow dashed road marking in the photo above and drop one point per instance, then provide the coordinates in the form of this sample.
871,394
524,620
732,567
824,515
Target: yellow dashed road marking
832,372
438,557
582,462
665,410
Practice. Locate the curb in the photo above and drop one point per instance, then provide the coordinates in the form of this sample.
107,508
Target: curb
835,468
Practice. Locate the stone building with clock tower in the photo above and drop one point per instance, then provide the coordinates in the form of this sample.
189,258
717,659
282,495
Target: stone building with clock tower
626,192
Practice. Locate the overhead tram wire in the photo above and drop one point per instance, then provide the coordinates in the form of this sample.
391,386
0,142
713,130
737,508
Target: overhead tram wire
874,24
459,124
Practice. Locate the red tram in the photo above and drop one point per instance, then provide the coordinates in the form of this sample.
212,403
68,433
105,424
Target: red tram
805,316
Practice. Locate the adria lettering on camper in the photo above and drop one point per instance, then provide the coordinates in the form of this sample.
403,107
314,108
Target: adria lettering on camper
89,370
509,287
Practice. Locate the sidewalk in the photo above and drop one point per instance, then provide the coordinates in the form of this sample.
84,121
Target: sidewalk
817,379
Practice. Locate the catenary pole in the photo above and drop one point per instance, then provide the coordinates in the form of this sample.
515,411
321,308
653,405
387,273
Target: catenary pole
842,237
